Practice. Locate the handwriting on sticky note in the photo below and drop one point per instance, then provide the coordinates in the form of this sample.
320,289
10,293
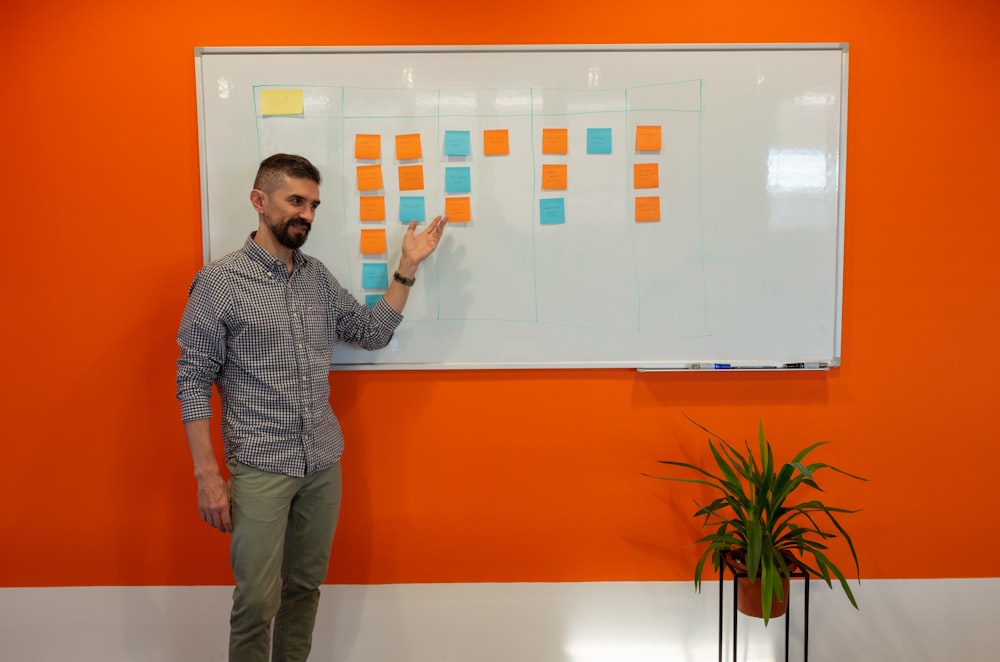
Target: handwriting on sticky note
372,208
599,141
555,141
647,209
408,147
458,180
496,142
369,177
411,208
368,146
456,143
374,275
458,210
552,211
411,178
648,138
646,175
281,102
372,242
554,177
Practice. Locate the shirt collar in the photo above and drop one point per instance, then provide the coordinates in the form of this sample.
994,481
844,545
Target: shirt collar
256,252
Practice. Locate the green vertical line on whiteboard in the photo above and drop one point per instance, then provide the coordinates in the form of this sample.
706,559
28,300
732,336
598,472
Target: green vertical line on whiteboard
630,219
701,211
534,197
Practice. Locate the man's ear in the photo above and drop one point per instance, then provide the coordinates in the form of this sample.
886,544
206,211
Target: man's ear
257,199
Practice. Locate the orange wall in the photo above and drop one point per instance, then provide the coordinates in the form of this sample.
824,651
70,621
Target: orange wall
483,475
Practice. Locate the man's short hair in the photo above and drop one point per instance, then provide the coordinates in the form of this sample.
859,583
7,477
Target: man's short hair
275,168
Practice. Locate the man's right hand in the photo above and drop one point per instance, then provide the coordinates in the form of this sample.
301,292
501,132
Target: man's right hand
213,502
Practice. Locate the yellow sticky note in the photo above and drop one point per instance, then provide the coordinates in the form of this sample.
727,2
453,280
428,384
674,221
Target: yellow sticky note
458,210
367,146
648,138
646,175
369,178
647,209
554,177
496,142
373,242
408,147
555,141
281,102
411,178
372,208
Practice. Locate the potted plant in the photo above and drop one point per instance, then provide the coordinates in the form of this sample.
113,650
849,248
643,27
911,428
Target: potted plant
762,518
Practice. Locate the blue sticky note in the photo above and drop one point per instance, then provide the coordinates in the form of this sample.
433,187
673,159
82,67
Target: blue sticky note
552,211
375,275
371,300
598,141
457,180
456,143
411,208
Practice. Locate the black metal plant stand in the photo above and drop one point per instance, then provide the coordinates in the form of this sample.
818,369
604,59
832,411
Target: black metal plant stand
788,611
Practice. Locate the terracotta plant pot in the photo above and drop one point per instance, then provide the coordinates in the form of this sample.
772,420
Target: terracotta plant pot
749,599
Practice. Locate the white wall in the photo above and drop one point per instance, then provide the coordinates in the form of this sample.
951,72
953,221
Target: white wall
905,620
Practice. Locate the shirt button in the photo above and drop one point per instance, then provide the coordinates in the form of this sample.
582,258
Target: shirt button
304,377
306,437
307,410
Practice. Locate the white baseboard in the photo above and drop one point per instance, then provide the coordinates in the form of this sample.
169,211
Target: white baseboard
906,620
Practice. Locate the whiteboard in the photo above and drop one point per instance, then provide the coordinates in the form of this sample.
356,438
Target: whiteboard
720,247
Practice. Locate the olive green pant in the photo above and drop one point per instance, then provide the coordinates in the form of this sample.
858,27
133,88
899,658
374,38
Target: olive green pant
282,532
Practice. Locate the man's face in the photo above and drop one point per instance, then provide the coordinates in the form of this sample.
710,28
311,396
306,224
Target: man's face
290,209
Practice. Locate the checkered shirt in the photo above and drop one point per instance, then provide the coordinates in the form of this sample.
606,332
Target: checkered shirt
265,338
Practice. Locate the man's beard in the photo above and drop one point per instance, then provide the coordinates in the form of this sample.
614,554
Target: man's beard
288,239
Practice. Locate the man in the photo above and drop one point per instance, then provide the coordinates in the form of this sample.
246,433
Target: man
260,324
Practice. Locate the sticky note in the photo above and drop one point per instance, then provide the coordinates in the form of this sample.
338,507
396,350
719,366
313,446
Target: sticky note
458,210
646,175
598,141
456,143
647,209
411,208
369,178
374,275
408,147
555,141
554,177
281,102
457,180
496,142
372,242
648,138
411,178
371,300
372,208
552,211
367,146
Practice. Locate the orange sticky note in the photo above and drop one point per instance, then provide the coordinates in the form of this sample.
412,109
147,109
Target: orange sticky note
647,209
367,146
408,147
458,210
555,141
369,178
496,142
372,208
646,175
373,242
411,178
648,138
554,177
